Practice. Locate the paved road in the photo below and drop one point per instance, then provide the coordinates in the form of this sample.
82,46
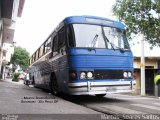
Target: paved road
16,98
122,105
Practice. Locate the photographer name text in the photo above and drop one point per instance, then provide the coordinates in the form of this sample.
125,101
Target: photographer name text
39,99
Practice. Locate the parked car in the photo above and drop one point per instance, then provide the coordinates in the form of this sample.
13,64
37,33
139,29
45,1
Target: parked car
27,80
21,76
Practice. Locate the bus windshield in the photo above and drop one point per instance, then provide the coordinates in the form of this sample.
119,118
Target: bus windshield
99,37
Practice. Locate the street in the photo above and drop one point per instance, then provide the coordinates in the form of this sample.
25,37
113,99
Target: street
20,99
119,104
17,98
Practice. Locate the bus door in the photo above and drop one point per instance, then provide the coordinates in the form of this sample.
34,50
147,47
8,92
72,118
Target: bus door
63,61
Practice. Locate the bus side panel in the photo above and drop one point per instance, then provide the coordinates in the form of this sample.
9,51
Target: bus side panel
42,74
63,74
59,66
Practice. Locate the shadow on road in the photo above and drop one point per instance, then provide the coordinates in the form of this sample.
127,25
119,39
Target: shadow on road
80,99
85,99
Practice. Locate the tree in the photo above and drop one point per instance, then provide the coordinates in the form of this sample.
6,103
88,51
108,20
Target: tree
20,57
140,17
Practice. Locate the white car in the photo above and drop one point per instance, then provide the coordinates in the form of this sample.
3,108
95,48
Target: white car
27,80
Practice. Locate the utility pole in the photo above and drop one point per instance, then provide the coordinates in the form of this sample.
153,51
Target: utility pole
143,91
142,66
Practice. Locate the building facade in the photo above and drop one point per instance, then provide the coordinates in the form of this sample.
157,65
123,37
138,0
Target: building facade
152,66
9,11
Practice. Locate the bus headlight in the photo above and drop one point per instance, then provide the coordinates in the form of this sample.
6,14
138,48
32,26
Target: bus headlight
125,74
83,75
89,75
129,74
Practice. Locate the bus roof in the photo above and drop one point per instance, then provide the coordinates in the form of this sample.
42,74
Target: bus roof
94,20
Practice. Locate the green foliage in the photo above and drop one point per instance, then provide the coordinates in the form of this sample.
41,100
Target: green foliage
20,57
140,16
15,77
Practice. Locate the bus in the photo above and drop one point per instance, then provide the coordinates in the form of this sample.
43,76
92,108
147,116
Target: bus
84,55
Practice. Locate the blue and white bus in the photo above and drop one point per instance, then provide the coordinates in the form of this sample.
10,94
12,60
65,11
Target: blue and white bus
84,55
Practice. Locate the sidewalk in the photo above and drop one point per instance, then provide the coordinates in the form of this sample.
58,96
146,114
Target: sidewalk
17,98
133,94
10,80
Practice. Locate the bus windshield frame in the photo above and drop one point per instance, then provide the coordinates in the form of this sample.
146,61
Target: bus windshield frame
98,36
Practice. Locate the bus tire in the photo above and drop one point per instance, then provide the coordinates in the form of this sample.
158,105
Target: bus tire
100,95
54,85
27,82
33,81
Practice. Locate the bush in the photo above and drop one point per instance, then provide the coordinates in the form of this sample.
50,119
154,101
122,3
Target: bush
15,77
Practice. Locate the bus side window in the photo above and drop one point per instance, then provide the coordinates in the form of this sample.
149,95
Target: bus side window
62,41
36,56
61,38
70,37
30,61
48,45
55,45
41,51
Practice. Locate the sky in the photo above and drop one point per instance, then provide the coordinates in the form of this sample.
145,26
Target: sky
40,17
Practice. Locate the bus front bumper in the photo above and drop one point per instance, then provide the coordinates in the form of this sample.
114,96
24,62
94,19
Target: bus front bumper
92,88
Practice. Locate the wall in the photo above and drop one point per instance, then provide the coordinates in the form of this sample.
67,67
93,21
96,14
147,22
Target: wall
15,9
137,78
148,62
151,66
9,51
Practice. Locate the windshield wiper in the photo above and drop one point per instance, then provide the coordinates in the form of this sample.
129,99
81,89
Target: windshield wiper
93,43
106,39
121,49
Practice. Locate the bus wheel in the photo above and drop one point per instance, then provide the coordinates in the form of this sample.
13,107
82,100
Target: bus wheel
33,82
54,85
26,83
100,95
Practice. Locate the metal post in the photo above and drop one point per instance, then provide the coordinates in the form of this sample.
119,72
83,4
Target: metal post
142,67
156,90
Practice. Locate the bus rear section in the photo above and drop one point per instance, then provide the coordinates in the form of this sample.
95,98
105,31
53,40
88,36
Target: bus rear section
99,71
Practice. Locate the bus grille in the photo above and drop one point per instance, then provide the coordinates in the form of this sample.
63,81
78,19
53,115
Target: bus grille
108,74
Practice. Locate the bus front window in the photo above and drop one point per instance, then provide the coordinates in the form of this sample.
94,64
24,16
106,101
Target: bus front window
116,38
93,36
85,34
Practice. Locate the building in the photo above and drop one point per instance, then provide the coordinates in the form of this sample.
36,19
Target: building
9,11
152,66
